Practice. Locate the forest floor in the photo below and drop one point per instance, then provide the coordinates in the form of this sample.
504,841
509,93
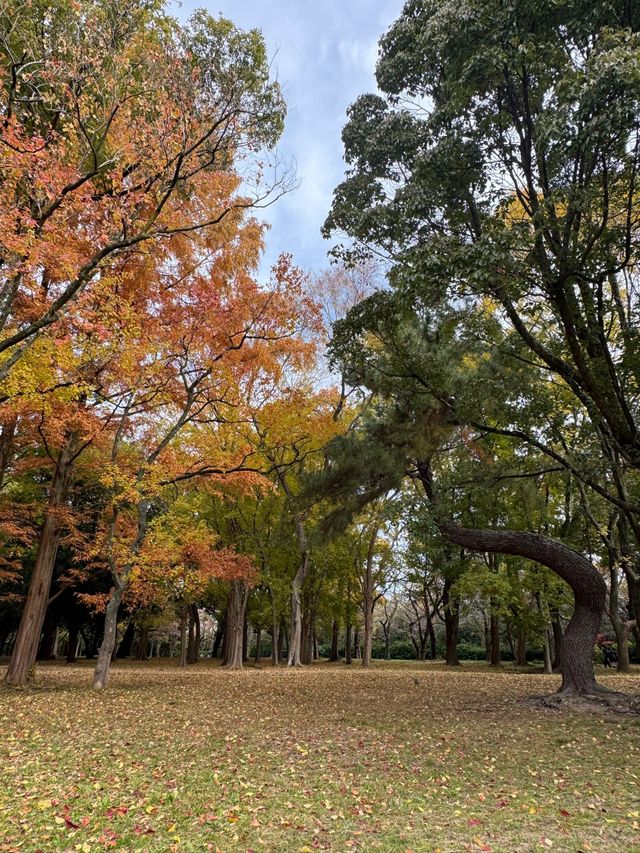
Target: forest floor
404,757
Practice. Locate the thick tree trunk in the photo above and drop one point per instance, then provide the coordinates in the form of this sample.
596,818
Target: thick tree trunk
143,642
234,633
126,644
588,587
72,647
26,646
347,644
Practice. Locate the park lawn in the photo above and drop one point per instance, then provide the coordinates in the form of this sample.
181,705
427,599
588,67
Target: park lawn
405,757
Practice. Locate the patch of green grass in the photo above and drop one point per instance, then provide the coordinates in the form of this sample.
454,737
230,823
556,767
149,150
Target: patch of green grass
399,758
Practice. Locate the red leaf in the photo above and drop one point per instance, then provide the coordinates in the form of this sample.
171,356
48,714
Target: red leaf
565,813
474,821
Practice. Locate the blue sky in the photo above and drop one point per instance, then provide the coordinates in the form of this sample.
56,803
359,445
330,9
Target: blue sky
324,54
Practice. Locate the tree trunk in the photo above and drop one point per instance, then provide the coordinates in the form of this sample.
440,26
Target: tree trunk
495,658
101,672
143,642
258,644
368,629
193,643
282,639
556,627
521,647
72,647
49,632
335,639
183,635
108,645
275,630
26,645
347,644
125,645
356,642
451,623
588,587
432,636
217,639
234,633
296,611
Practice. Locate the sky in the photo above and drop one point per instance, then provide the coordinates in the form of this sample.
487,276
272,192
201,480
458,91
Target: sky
323,54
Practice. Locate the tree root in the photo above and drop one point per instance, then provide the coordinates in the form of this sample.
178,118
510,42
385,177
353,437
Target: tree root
597,700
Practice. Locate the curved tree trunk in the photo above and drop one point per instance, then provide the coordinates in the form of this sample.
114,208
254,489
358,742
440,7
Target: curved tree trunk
589,591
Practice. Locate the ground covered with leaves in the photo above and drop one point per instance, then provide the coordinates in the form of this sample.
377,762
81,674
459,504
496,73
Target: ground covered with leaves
401,758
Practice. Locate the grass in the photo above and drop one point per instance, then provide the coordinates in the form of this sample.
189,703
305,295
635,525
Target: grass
405,757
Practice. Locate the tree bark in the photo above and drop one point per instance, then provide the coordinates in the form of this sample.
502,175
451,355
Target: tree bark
335,639
28,638
347,644
108,645
125,645
258,644
101,672
588,588
296,595
183,635
193,644
234,633
495,658
451,623
72,646
220,631
143,642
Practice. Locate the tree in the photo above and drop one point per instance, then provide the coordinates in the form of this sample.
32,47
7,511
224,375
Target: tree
115,124
499,177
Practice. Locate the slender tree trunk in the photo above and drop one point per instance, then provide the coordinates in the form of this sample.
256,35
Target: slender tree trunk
296,607
49,631
495,658
28,638
72,647
451,623
236,610
347,644
193,645
588,587
556,627
275,630
335,639
101,672
258,644
432,635
368,629
217,639
183,636
356,642
283,640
